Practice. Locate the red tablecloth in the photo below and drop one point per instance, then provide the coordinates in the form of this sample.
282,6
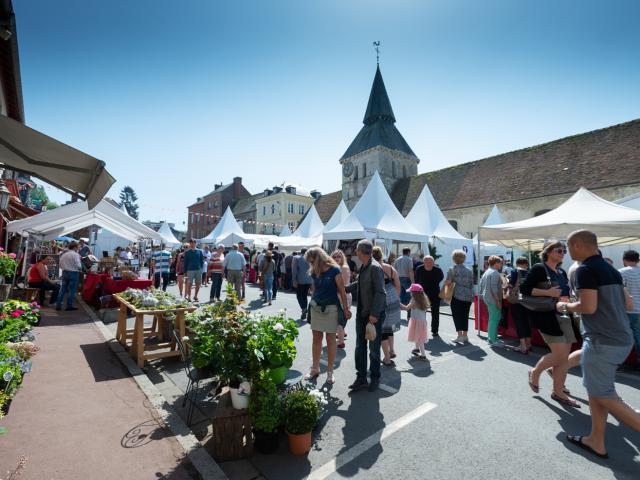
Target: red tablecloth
109,285
510,332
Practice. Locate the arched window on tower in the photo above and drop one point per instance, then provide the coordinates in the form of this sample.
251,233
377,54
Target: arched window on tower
393,169
404,171
364,169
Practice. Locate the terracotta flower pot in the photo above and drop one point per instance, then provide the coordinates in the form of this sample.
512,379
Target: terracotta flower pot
299,444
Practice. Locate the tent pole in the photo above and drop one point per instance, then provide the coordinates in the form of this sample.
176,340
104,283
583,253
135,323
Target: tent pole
480,259
529,251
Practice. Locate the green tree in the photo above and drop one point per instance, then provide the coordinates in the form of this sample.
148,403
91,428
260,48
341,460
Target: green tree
38,198
129,199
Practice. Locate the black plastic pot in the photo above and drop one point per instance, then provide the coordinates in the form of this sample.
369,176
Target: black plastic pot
266,442
5,407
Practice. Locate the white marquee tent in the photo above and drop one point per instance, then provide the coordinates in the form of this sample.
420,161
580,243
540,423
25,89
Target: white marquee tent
285,232
615,252
494,218
375,216
308,234
614,224
75,216
168,238
338,216
226,232
427,218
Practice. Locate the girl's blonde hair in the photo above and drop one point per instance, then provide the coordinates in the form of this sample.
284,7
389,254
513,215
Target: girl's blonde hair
318,260
343,261
420,300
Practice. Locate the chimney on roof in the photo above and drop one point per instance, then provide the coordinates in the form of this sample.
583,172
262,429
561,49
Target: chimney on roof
277,189
315,194
267,192
237,187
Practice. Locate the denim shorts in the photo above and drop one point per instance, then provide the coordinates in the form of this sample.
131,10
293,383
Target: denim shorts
599,364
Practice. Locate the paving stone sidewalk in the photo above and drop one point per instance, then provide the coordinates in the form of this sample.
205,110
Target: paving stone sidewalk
80,415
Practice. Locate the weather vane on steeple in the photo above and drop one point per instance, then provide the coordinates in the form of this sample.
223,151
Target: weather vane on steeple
376,45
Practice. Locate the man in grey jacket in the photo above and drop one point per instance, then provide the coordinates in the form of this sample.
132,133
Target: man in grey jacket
301,280
370,309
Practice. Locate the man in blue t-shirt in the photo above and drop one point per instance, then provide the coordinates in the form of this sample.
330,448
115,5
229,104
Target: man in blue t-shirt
602,304
193,262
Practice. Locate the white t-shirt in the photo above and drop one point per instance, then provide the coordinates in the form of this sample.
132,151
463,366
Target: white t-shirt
631,280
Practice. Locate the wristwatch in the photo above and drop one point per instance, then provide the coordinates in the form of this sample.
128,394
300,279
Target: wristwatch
565,309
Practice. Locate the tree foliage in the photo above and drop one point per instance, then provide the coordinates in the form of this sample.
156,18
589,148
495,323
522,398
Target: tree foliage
38,198
129,199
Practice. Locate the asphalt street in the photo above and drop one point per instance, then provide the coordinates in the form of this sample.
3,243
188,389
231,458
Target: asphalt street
467,412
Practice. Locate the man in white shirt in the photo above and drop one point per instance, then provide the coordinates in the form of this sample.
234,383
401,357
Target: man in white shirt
631,279
71,265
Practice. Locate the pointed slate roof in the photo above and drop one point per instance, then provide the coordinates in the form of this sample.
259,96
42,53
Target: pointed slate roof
379,128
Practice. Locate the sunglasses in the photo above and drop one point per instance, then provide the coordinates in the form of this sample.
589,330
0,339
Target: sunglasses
560,250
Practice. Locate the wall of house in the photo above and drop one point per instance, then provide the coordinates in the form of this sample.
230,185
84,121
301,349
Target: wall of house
274,209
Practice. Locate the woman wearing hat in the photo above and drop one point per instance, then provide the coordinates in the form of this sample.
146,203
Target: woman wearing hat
547,279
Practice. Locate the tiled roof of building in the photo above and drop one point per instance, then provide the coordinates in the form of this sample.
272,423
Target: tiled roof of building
597,159
379,128
246,205
327,204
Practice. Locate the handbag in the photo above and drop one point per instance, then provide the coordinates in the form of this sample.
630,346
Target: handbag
513,292
539,304
446,292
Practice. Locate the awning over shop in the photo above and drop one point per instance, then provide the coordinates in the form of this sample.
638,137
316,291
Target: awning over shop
29,151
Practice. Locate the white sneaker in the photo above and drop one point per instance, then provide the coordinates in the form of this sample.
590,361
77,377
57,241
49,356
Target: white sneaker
459,339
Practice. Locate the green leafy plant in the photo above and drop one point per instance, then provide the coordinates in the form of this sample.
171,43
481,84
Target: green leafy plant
30,312
8,263
275,343
11,370
301,412
265,405
152,299
221,333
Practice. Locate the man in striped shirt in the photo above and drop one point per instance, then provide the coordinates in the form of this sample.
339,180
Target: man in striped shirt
161,263
631,279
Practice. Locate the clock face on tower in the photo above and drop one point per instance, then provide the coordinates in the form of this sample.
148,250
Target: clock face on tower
347,169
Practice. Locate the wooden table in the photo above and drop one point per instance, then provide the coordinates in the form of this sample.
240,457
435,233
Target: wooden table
139,332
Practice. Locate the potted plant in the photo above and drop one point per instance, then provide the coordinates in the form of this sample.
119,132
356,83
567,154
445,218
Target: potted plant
8,267
275,345
10,377
301,413
265,411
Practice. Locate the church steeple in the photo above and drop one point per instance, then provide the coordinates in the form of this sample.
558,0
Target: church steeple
379,106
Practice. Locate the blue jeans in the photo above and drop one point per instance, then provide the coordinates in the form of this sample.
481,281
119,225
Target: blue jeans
268,287
216,285
68,286
634,322
164,276
405,297
374,349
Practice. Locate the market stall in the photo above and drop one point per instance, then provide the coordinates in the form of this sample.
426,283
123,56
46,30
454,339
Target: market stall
614,224
226,232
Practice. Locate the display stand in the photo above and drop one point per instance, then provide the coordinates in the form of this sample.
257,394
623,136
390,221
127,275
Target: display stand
137,347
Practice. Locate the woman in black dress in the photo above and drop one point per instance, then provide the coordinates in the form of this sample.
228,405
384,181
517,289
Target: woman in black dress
547,279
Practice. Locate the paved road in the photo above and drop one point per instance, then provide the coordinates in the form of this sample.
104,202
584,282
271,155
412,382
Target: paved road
468,412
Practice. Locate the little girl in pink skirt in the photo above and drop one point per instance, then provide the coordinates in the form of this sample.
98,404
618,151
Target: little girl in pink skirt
418,331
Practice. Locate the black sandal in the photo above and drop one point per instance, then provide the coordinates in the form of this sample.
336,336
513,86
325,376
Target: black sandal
390,364
577,440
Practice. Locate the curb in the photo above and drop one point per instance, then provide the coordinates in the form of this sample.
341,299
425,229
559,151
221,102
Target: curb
199,457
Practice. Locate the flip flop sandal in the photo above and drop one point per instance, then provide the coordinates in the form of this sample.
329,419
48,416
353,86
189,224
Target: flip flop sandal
565,390
415,351
577,440
535,388
422,357
565,401
313,374
391,363
393,355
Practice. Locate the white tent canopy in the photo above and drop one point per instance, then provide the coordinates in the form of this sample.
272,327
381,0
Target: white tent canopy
375,216
29,151
613,223
168,238
494,218
338,216
285,232
226,232
311,226
427,218
74,216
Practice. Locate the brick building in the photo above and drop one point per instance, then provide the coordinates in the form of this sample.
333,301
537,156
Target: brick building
206,212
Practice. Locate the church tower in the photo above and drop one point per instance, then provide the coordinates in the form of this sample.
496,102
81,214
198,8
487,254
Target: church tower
378,146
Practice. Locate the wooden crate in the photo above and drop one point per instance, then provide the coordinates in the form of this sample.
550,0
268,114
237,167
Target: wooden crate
232,437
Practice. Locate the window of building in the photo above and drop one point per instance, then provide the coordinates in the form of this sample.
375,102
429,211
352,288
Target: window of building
355,173
291,208
292,226
404,171
264,210
216,203
454,224
273,209
209,205
393,169
364,169
301,209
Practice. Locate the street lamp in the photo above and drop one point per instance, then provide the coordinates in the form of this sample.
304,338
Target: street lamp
5,195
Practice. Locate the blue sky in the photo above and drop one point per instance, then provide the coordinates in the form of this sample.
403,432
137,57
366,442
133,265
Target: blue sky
177,96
